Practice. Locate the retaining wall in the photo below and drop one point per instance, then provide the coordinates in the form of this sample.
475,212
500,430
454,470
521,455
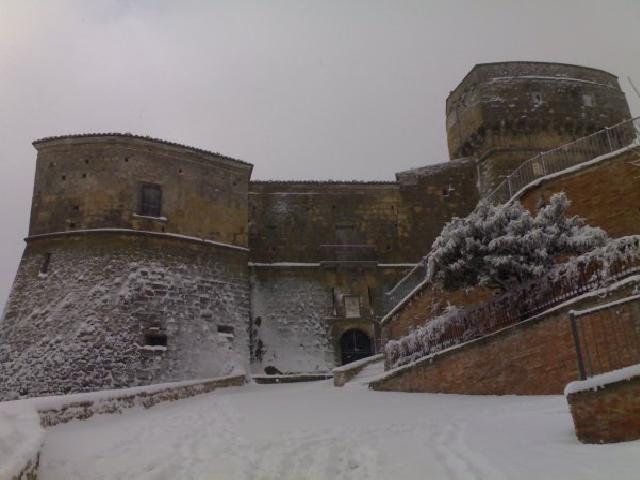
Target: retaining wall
22,422
535,357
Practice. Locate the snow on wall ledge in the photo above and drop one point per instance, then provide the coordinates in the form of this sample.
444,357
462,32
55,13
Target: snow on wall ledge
89,313
21,421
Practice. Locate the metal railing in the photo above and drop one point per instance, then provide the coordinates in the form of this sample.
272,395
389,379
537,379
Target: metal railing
404,287
582,150
606,338
565,282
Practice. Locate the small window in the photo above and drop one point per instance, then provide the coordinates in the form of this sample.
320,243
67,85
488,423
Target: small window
351,306
150,201
587,100
225,330
44,268
537,98
155,339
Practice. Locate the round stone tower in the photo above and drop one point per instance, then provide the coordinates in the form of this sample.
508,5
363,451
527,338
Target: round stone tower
135,268
507,112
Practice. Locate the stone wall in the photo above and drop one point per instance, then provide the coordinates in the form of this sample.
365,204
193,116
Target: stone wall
94,181
298,312
428,302
605,193
535,357
90,312
507,112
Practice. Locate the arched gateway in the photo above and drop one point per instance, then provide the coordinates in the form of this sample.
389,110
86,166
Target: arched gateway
354,345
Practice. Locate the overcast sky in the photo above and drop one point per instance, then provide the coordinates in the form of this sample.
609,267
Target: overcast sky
302,89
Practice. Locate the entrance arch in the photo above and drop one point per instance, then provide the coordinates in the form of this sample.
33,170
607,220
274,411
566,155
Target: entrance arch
354,345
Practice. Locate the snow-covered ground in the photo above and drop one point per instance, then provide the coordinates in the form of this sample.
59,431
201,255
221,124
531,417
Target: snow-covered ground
317,431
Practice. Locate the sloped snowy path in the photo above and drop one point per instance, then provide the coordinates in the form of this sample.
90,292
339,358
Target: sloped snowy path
317,431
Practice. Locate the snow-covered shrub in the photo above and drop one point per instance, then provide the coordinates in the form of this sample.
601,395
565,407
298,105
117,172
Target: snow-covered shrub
503,246
595,269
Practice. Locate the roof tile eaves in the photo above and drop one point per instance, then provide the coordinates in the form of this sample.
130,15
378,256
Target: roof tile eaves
142,137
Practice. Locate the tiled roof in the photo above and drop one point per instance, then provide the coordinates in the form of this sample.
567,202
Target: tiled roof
142,137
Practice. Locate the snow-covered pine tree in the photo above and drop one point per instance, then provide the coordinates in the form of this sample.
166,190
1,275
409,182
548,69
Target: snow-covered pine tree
502,246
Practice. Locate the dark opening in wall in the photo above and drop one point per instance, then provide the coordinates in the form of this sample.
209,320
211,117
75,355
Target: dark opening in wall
225,329
155,339
44,268
64,177
86,162
537,98
72,224
51,164
75,208
150,200
84,175
126,159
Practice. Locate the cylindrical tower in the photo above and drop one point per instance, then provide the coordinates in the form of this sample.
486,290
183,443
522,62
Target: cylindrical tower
135,269
507,112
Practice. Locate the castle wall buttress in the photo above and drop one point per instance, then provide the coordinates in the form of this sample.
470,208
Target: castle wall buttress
91,313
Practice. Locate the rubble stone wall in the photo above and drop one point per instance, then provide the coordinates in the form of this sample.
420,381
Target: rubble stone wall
96,318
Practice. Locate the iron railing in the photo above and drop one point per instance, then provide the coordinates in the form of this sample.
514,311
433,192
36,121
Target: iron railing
585,274
582,150
404,287
606,338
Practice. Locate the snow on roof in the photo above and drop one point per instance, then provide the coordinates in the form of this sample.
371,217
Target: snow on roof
140,137
602,380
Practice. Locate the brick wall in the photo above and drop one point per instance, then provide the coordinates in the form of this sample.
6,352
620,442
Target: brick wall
605,194
609,414
536,357
427,303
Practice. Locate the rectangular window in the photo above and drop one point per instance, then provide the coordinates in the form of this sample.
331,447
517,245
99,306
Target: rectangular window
155,339
351,306
587,100
150,200
537,98
225,329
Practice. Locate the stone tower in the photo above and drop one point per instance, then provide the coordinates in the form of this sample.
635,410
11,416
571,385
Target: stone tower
505,113
116,286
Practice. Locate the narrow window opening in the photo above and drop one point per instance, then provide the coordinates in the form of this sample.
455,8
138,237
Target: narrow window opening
126,159
150,201
64,177
84,175
587,100
180,171
86,162
537,98
225,329
155,339
44,268
75,208
72,224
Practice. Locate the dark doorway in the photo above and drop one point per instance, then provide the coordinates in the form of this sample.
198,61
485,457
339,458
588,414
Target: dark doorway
355,345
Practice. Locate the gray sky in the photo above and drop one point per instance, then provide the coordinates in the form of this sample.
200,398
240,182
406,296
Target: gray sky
324,89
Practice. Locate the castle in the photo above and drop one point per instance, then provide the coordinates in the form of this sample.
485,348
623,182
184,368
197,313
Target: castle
148,261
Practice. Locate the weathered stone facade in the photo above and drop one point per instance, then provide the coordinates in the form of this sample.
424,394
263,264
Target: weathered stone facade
87,321
507,112
149,261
